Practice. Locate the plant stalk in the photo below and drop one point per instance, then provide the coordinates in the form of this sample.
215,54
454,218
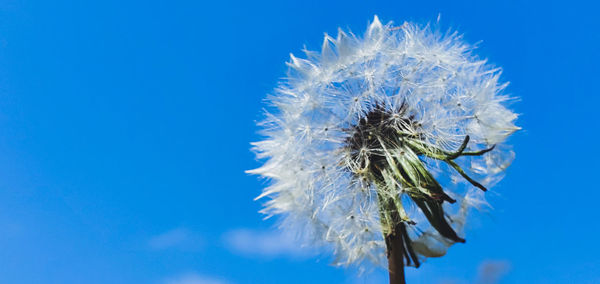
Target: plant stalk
395,256
397,240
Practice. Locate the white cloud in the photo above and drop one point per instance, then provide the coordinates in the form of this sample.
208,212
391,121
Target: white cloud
264,244
491,271
179,238
194,278
370,277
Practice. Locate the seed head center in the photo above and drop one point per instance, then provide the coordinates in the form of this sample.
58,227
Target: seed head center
380,130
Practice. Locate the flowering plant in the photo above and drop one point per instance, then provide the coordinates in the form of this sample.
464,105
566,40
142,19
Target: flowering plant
371,141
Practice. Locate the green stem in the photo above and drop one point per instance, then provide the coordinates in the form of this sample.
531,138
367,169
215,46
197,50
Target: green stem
395,255
397,242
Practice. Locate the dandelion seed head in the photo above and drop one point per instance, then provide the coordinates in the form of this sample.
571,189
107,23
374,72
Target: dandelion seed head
363,114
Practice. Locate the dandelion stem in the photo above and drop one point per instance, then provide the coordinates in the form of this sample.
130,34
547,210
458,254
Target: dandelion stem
398,247
395,255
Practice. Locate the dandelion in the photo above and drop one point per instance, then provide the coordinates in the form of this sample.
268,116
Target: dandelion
378,146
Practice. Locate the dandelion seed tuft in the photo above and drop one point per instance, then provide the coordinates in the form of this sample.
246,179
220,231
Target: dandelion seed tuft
392,135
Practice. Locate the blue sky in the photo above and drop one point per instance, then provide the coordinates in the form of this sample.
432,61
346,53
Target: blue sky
125,130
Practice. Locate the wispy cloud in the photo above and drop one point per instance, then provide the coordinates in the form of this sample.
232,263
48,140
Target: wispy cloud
179,238
491,271
369,277
267,244
194,278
